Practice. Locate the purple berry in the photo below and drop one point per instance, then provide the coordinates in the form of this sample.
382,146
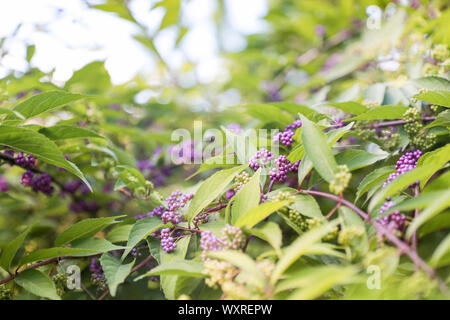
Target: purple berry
260,158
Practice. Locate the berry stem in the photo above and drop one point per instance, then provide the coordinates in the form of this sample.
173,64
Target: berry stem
402,246
416,213
397,122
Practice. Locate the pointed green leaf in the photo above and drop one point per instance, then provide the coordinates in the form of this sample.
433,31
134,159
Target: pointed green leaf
210,189
37,283
10,250
84,229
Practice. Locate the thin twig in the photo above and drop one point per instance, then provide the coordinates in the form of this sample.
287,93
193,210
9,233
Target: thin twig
404,248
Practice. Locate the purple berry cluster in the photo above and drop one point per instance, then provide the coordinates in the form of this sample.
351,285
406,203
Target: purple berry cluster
231,238
157,175
98,276
3,184
283,167
84,206
39,182
200,219
25,161
286,137
43,183
167,242
394,220
209,242
260,158
407,162
175,201
156,212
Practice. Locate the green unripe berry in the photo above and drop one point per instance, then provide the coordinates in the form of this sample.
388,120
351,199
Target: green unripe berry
341,179
347,235
440,52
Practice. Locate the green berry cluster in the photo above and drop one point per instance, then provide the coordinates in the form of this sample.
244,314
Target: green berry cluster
5,293
298,219
424,142
434,108
307,223
241,180
283,196
99,282
413,123
219,272
370,104
316,222
266,267
60,280
389,140
414,128
347,235
440,52
341,179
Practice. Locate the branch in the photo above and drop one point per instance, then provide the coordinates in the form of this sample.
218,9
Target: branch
13,162
403,247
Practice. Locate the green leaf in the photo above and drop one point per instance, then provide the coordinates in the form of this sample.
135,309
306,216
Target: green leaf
171,283
357,159
10,250
298,248
307,206
440,202
421,201
295,109
79,248
439,97
37,283
372,179
119,233
186,268
84,229
38,145
381,113
320,281
259,213
247,198
243,262
317,149
62,132
349,107
43,102
115,272
220,161
442,119
141,230
433,83
427,165
241,144
268,113
132,178
210,189
172,12
350,219
271,233
441,255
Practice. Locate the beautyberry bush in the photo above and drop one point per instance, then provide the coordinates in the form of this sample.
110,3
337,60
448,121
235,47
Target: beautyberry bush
328,180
